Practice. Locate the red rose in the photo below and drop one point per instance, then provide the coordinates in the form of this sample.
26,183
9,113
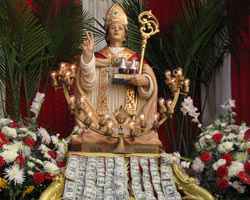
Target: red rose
38,178
248,150
205,157
217,137
48,176
20,160
247,167
228,158
3,139
52,154
1,161
29,142
247,135
60,164
222,171
13,125
244,177
222,184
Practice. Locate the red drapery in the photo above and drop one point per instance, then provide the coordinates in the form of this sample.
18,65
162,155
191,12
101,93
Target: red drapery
240,79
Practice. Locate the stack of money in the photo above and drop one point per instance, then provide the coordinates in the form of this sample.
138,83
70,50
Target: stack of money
146,177
155,176
100,179
71,175
89,191
109,175
81,178
137,187
120,179
168,183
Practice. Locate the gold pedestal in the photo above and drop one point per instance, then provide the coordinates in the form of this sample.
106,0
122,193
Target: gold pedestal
121,147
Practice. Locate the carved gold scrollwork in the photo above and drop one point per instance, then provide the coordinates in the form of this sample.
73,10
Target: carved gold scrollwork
188,186
55,190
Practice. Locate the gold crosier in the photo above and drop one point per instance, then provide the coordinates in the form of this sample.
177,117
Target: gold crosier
149,27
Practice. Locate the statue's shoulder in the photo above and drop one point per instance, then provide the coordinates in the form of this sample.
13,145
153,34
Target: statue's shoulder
106,52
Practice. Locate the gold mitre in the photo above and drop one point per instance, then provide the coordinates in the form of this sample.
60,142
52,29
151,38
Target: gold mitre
115,14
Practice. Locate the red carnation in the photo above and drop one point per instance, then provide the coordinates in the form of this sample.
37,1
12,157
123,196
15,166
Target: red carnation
222,171
13,125
20,160
60,164
222,184
247,167
1,161
52,154
247,135
48,176
205,157
217,137
3,139
29,142
248,150
38,178
244,177
228,158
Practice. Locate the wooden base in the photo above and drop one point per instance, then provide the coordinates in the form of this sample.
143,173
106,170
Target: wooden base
114,148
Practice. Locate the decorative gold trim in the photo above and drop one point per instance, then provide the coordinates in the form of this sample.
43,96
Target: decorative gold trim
188,186
55,190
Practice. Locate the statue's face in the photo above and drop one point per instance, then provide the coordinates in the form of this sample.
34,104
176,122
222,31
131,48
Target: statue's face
116,32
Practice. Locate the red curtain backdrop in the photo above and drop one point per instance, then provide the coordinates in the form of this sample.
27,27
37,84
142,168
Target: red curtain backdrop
241,81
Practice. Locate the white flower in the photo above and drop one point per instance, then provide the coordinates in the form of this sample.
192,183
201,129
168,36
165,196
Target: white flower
44,135
5,121
35,108
229,104
9,156
39,97
185,164
219,163
225,147
187,105
44,148
235,168
23,130
60,152
30,172
30,164
55,138
202,142
14,173
11,132
32,135
198,165
51,168
217,122
238,186
241,156
39,161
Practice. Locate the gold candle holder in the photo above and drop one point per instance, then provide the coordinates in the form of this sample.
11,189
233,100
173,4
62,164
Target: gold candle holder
168,77
186,86
81,105
72,104
72,68
53,76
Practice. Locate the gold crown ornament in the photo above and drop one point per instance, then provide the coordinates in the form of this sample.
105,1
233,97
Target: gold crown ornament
115,14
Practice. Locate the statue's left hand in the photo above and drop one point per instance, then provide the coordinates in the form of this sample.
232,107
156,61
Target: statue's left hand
138,80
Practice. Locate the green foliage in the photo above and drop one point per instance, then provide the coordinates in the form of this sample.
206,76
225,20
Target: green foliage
33,40
196,40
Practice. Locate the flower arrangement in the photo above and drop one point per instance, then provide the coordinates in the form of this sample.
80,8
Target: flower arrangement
29,156
222,153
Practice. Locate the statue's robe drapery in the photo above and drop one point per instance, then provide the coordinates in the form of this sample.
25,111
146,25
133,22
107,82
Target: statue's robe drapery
102,97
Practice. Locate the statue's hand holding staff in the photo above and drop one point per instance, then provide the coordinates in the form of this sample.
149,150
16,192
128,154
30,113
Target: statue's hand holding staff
88,47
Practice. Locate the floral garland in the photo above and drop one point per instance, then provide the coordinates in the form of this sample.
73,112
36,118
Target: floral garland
29,156
223,149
